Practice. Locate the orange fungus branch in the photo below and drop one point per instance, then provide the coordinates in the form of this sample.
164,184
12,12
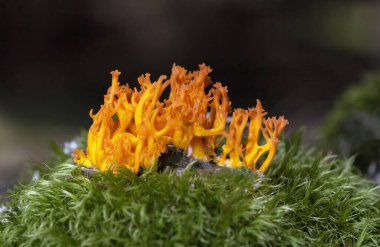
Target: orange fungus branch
133,127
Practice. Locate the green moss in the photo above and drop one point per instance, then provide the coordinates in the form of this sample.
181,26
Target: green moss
355,117
305,199
352,127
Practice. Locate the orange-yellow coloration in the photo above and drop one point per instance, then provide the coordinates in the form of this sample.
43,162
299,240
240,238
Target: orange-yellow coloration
133,127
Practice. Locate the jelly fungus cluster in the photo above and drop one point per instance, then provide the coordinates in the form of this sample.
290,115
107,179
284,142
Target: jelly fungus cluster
133,127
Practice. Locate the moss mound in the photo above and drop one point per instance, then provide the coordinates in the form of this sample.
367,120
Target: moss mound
305,199
355,117
352,127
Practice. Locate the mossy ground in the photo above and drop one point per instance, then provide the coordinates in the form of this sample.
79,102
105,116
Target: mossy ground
305,199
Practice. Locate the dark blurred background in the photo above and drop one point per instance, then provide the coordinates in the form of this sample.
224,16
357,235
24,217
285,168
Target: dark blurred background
55,58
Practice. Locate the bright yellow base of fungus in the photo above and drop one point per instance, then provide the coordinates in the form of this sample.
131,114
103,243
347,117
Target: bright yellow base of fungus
133,127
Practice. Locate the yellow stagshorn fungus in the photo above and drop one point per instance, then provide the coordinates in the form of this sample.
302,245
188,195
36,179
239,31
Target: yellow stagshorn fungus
133,127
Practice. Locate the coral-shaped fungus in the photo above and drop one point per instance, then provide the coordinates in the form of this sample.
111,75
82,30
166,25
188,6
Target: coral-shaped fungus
133,127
